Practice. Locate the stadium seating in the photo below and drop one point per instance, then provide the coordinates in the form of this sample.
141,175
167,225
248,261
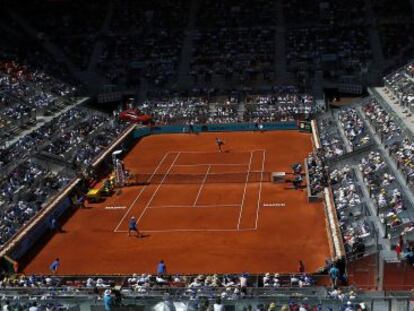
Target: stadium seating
209,62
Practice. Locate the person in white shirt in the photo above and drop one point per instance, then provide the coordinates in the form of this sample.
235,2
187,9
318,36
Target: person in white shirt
243,280
6,306
33,307
218,306
90,282
195,283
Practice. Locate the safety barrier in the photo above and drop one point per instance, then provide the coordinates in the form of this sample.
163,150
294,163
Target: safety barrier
228,127
336,242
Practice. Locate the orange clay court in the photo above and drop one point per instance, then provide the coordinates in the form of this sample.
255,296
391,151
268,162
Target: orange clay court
203,225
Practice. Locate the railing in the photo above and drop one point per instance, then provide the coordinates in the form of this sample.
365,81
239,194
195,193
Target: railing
333,226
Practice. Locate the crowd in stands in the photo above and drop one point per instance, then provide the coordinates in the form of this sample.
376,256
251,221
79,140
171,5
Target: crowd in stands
176,110
331,144
33,141
22,194
286,106
382,121
399,144
401,84
77,137
37,306
145,38
354,128
318,178
339,50
384,190
82,142
356,230
234,42
73,26
395,25
27,182
26,94
225,286
231,41
280,107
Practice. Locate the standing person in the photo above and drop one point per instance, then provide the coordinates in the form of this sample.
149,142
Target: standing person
107,300
191,127
54,266
334,275
400,246
133,227
53,224
301,267
220,144
161,268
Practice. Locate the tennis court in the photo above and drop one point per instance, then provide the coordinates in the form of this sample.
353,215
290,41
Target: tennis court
201,210
201,204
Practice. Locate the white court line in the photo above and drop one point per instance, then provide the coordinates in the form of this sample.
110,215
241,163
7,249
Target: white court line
200,206
244,191
225,173
212,152
260,191
201,186
156,190
195,230
215,152
139,194
189,230
212,164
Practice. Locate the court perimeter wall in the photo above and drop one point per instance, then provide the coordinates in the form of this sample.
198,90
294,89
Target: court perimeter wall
228,127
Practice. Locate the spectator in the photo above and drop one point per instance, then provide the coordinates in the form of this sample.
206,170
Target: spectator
107,300
334,275
218,305
34,307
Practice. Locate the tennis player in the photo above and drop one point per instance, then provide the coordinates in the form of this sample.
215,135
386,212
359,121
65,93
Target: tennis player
133,227
220,144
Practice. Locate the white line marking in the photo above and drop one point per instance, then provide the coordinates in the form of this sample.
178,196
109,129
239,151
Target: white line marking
156,190
200,206
260,191
190,230
224,205
139,194
212,164
244,191
201,186
212,152
215,152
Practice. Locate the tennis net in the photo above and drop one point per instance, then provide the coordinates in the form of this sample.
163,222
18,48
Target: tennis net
212,178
